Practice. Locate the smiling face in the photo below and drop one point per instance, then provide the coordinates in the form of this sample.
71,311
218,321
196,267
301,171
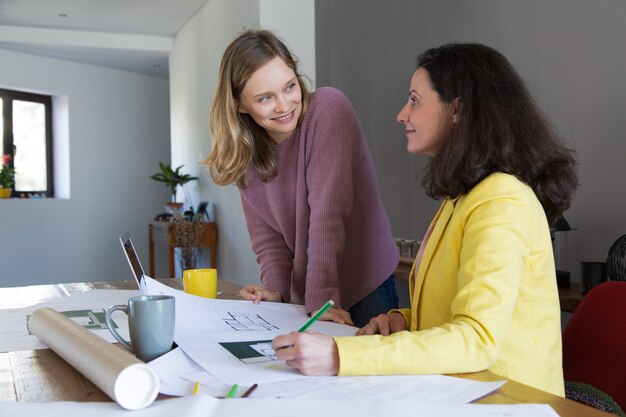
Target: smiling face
424,116
272,97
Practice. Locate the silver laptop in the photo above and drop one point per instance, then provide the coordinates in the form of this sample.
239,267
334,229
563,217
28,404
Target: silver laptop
133,261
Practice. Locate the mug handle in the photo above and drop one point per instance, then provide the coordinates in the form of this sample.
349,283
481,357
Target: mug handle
111,325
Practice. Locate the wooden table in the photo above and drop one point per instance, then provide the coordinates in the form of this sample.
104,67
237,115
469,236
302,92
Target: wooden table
165,234
16,297
42,376
569,297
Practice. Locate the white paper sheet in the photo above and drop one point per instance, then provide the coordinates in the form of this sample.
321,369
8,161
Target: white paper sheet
233,318
230,340
178,375
436,389
230,369
214,332
170,367
15,335
205,406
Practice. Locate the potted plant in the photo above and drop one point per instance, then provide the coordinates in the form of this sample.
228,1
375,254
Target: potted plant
7,177
172,178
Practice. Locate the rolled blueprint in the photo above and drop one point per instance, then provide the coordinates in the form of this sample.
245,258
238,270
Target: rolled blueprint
124,378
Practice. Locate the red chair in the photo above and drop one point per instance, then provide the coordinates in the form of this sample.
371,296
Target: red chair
594,343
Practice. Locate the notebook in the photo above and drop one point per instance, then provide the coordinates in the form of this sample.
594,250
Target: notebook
133,261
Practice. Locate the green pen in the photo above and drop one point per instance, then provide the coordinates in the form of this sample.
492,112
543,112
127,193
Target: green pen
317,315
232,392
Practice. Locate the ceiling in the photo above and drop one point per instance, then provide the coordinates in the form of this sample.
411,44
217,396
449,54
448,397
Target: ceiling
130,35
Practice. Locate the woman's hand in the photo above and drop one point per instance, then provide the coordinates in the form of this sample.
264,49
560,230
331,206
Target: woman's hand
337,315
384,324
309,353
256,294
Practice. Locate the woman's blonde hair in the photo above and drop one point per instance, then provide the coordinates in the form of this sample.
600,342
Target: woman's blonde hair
237,140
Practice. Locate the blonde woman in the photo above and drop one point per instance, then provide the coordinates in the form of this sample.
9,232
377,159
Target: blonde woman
307,184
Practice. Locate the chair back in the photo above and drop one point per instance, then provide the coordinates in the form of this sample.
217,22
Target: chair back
594,341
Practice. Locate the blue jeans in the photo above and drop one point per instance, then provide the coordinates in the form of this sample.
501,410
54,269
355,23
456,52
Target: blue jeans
379,301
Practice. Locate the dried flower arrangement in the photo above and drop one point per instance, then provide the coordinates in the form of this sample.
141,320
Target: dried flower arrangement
187,235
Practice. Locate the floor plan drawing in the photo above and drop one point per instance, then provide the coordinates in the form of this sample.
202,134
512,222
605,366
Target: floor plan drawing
248,322
90,319
258,351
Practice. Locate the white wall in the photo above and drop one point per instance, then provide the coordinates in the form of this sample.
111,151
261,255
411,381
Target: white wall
570,52
194,65
296,27
118,131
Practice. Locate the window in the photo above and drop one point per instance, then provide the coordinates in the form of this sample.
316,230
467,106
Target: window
27,135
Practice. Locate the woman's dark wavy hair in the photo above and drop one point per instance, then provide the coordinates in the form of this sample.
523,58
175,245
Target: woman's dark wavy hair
499,129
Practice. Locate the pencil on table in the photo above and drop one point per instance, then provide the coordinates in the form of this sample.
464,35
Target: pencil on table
249,391
232,391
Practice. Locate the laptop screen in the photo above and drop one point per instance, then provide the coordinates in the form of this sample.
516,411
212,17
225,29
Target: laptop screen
133,261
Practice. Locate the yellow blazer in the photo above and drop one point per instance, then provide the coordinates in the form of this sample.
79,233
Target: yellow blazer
484,296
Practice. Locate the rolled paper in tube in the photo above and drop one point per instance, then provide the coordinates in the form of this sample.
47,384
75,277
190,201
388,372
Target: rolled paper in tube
123,377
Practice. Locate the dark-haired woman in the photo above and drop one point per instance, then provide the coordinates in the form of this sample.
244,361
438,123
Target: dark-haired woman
483,288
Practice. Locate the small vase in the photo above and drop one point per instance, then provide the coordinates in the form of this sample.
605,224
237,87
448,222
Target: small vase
173,208
5,192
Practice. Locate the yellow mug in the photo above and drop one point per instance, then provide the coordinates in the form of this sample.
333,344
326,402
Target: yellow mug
201,282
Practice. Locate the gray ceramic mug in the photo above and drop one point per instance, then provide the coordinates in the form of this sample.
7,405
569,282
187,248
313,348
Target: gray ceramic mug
151,324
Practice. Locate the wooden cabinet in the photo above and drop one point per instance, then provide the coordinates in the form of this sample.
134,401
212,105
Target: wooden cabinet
166,234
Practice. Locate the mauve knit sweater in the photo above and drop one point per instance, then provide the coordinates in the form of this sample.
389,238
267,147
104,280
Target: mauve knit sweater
318,228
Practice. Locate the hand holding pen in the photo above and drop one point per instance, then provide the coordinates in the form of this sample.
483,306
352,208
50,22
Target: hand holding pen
309,353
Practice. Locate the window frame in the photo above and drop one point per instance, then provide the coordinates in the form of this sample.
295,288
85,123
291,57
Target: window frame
7,112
